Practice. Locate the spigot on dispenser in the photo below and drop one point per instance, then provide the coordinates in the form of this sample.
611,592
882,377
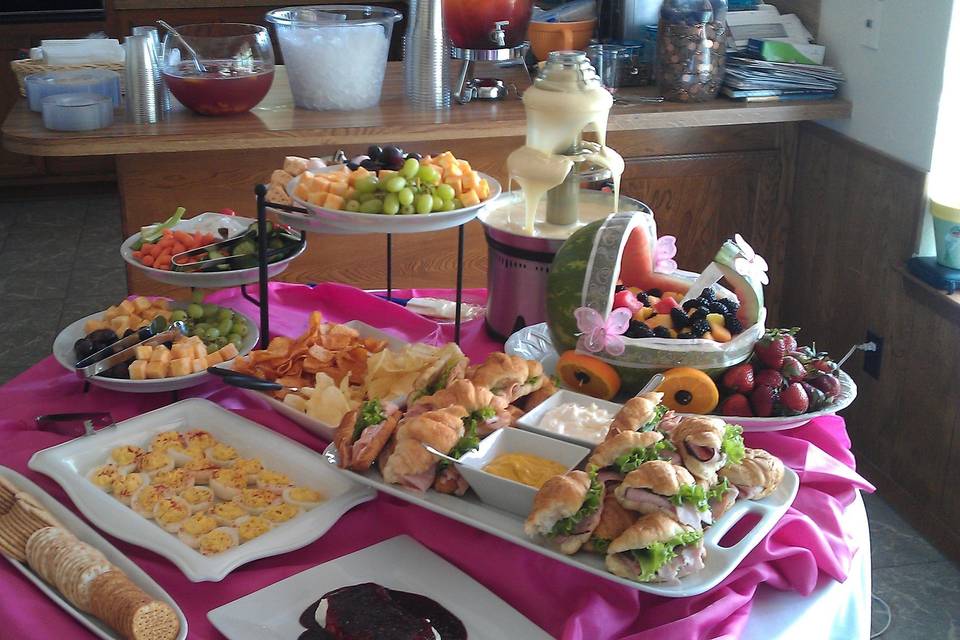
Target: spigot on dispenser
498,36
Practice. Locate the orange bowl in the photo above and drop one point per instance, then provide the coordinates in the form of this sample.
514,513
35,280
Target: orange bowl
559,36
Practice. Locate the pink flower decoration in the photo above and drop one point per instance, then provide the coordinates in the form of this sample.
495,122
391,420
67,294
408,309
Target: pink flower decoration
663,254
597,334
748,263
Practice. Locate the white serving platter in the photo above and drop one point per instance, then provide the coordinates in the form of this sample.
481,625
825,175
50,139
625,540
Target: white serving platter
65,355
720,561
534,343
531,420
399,563
319,427
69,463
87,534
216,279
321,219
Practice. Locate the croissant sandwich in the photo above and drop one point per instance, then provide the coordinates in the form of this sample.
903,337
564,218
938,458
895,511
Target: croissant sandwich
640,413
656,548
756,476
449,365
363,433
535,399
614,520
408,463
566,510
510,377
489,411
661,486
626,451
706,445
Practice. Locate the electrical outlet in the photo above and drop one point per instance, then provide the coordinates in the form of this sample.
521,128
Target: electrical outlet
870,14
872,359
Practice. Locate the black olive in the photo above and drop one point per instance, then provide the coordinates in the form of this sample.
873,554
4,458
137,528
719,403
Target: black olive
84,347
105,336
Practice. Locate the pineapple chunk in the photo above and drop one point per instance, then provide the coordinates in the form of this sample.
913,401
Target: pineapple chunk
228,351
214,359
181,366
333,201
181,350
143,352
142,304
470,198
138,369
127,307
157,369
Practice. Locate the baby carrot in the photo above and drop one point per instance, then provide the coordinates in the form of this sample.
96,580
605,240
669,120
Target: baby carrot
178,248
147,261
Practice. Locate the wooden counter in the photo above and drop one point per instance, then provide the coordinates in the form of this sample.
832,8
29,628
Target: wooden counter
707,170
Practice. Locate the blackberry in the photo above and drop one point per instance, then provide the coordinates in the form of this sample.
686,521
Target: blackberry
716,307
657,293
733,324
732,305
642,297
708,295
699,328
638,329
661,332
620,287
685,336
690,304
679,318
699,314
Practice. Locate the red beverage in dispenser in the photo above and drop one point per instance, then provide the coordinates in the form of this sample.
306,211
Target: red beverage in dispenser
472,24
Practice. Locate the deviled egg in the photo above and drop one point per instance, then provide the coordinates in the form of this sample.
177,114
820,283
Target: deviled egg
227,483
171,512
199,498
256,501
222,454
195,526
125,486
183,453
281,512
273,481
219,540
164,440
202,469
176,480
249,467
104,476
249,527
153,462
227,513
199,438
146,498
303,497
125,457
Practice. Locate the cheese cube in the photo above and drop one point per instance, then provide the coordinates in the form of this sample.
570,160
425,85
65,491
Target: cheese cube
339,188
470,180
160,354
295,165
470,198
333,201
120,324
144,352
228,351
317,197
181,366
301,192
112,313
199,364
157,369
484,189
181,350
214,359
199,350
456,183
142,304
138,369
127,307
94,325
295,401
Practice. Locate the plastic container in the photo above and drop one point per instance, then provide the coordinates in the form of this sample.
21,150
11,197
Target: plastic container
946,228
691,49
97,81
335,55
77,112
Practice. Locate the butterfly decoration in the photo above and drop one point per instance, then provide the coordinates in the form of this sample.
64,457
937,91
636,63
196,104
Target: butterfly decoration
748,263
598,334
663,254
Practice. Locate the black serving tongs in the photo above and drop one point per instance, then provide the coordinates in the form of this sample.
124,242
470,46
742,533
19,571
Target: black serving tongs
214,248
123,349
244,381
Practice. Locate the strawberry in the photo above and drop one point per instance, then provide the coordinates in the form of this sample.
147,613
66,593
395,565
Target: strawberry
771,348
739,378
793,400
818,399
790,342
626,298
792,369
824,364
768,378
762,400
829,384
736,405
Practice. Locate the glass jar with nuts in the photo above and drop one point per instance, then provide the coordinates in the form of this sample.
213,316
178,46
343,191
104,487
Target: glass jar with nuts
691,49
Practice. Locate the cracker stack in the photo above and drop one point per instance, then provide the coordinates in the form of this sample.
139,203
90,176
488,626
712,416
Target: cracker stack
116,600
67,563
20,517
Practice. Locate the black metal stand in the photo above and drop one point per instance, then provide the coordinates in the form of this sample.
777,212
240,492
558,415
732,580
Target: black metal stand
264,303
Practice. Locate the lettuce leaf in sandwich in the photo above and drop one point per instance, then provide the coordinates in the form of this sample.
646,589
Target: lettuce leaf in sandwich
591,503
733,444
371,413
470,440
651,559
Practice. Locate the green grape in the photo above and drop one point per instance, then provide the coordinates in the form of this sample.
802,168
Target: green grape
235,338
446,192
365,197
203,326
429,175
197,296
210,310
437,203
407,209
366,184
211,347
225,326
221,342
212,333
372,206
457,204
448,205
353,205
240,328
224,314
391,204
405,196
200,333
195,311
396,184
424,203
178,315
410,168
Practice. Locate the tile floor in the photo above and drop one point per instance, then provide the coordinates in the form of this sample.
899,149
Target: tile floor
59,261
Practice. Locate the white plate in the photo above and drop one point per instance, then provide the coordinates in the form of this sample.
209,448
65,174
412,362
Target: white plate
63,352
531,420
69,463
534,343
318,427
399,563
87,534
320,219
720,561
233,278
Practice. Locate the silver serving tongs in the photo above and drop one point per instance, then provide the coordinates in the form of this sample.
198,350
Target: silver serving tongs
92,420
91,366
203,265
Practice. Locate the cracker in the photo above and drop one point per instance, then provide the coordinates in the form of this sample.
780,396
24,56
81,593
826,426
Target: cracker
155,620
8,493
13,538
36,515
12,551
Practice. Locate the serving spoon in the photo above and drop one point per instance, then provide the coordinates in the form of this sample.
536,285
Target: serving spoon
439,454
186,45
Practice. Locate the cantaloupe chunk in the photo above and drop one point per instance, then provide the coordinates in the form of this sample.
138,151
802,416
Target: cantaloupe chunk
333,201
143,352
157,369
483,190
464,166
339,188
356,174
181,350
160,354
456,183
138,369
120,324
142,304
301,192
150,314
317,198
214,359
453,170
94,325
199,350
199,364
127,307
181,366
470,180
228,351
470,198
112,312
385,174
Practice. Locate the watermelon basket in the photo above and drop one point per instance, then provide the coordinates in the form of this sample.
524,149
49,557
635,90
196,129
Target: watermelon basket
584,274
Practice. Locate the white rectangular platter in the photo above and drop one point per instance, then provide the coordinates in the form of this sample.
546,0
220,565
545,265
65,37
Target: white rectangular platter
69,463
398,563
87,534
720,561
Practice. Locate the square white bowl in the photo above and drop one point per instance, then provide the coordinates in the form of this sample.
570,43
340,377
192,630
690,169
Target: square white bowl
531,421
515,497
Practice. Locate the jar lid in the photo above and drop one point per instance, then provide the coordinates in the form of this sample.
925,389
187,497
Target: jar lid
77,112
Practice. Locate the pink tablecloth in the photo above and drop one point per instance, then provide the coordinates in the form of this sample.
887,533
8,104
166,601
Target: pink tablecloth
807,543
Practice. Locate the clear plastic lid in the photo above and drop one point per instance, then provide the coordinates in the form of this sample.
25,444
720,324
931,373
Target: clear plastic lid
332,15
